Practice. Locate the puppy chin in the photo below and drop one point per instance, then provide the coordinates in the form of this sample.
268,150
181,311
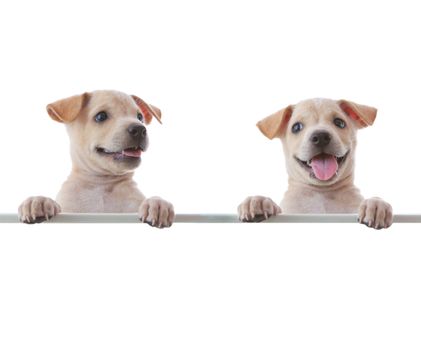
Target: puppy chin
127,158
303,172
118,165
108,166
304,177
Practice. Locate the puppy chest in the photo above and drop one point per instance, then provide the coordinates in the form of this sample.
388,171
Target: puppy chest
332,202
313,202
121,199
99,198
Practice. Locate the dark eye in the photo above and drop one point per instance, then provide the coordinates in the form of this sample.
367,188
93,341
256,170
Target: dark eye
101,116
140,116
297,127
339,123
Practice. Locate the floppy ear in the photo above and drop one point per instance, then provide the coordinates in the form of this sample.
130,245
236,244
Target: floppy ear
148,110
67,109
363,115
274,125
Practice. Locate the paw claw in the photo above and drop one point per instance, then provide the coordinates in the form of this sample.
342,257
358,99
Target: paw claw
156,212
375,213
38,209
257,208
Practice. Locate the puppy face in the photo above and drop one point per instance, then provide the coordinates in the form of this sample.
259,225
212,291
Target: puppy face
107,130
319,138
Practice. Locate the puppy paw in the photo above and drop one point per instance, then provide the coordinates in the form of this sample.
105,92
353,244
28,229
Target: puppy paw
156,212
376,213
38,209
257,208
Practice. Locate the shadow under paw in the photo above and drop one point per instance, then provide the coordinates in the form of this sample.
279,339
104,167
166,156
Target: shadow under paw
256,218
37,220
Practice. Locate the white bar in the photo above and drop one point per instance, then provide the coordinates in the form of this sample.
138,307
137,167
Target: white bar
207,218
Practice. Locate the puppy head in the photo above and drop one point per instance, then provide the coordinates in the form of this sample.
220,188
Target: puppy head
319,138
106,128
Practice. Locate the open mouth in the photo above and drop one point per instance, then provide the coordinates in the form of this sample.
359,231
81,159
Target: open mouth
323,166
127,153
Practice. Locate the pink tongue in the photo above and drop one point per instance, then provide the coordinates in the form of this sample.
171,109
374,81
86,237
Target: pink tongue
132,153
324,166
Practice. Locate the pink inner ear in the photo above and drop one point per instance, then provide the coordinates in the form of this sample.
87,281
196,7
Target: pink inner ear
143,109
145,112
350,112
285,121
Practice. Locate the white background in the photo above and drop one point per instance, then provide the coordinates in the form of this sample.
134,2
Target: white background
214,68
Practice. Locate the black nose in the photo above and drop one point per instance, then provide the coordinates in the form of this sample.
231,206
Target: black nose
320,138
137,130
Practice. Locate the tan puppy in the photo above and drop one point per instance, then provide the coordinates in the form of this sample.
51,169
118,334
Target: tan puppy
107,137
319,140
